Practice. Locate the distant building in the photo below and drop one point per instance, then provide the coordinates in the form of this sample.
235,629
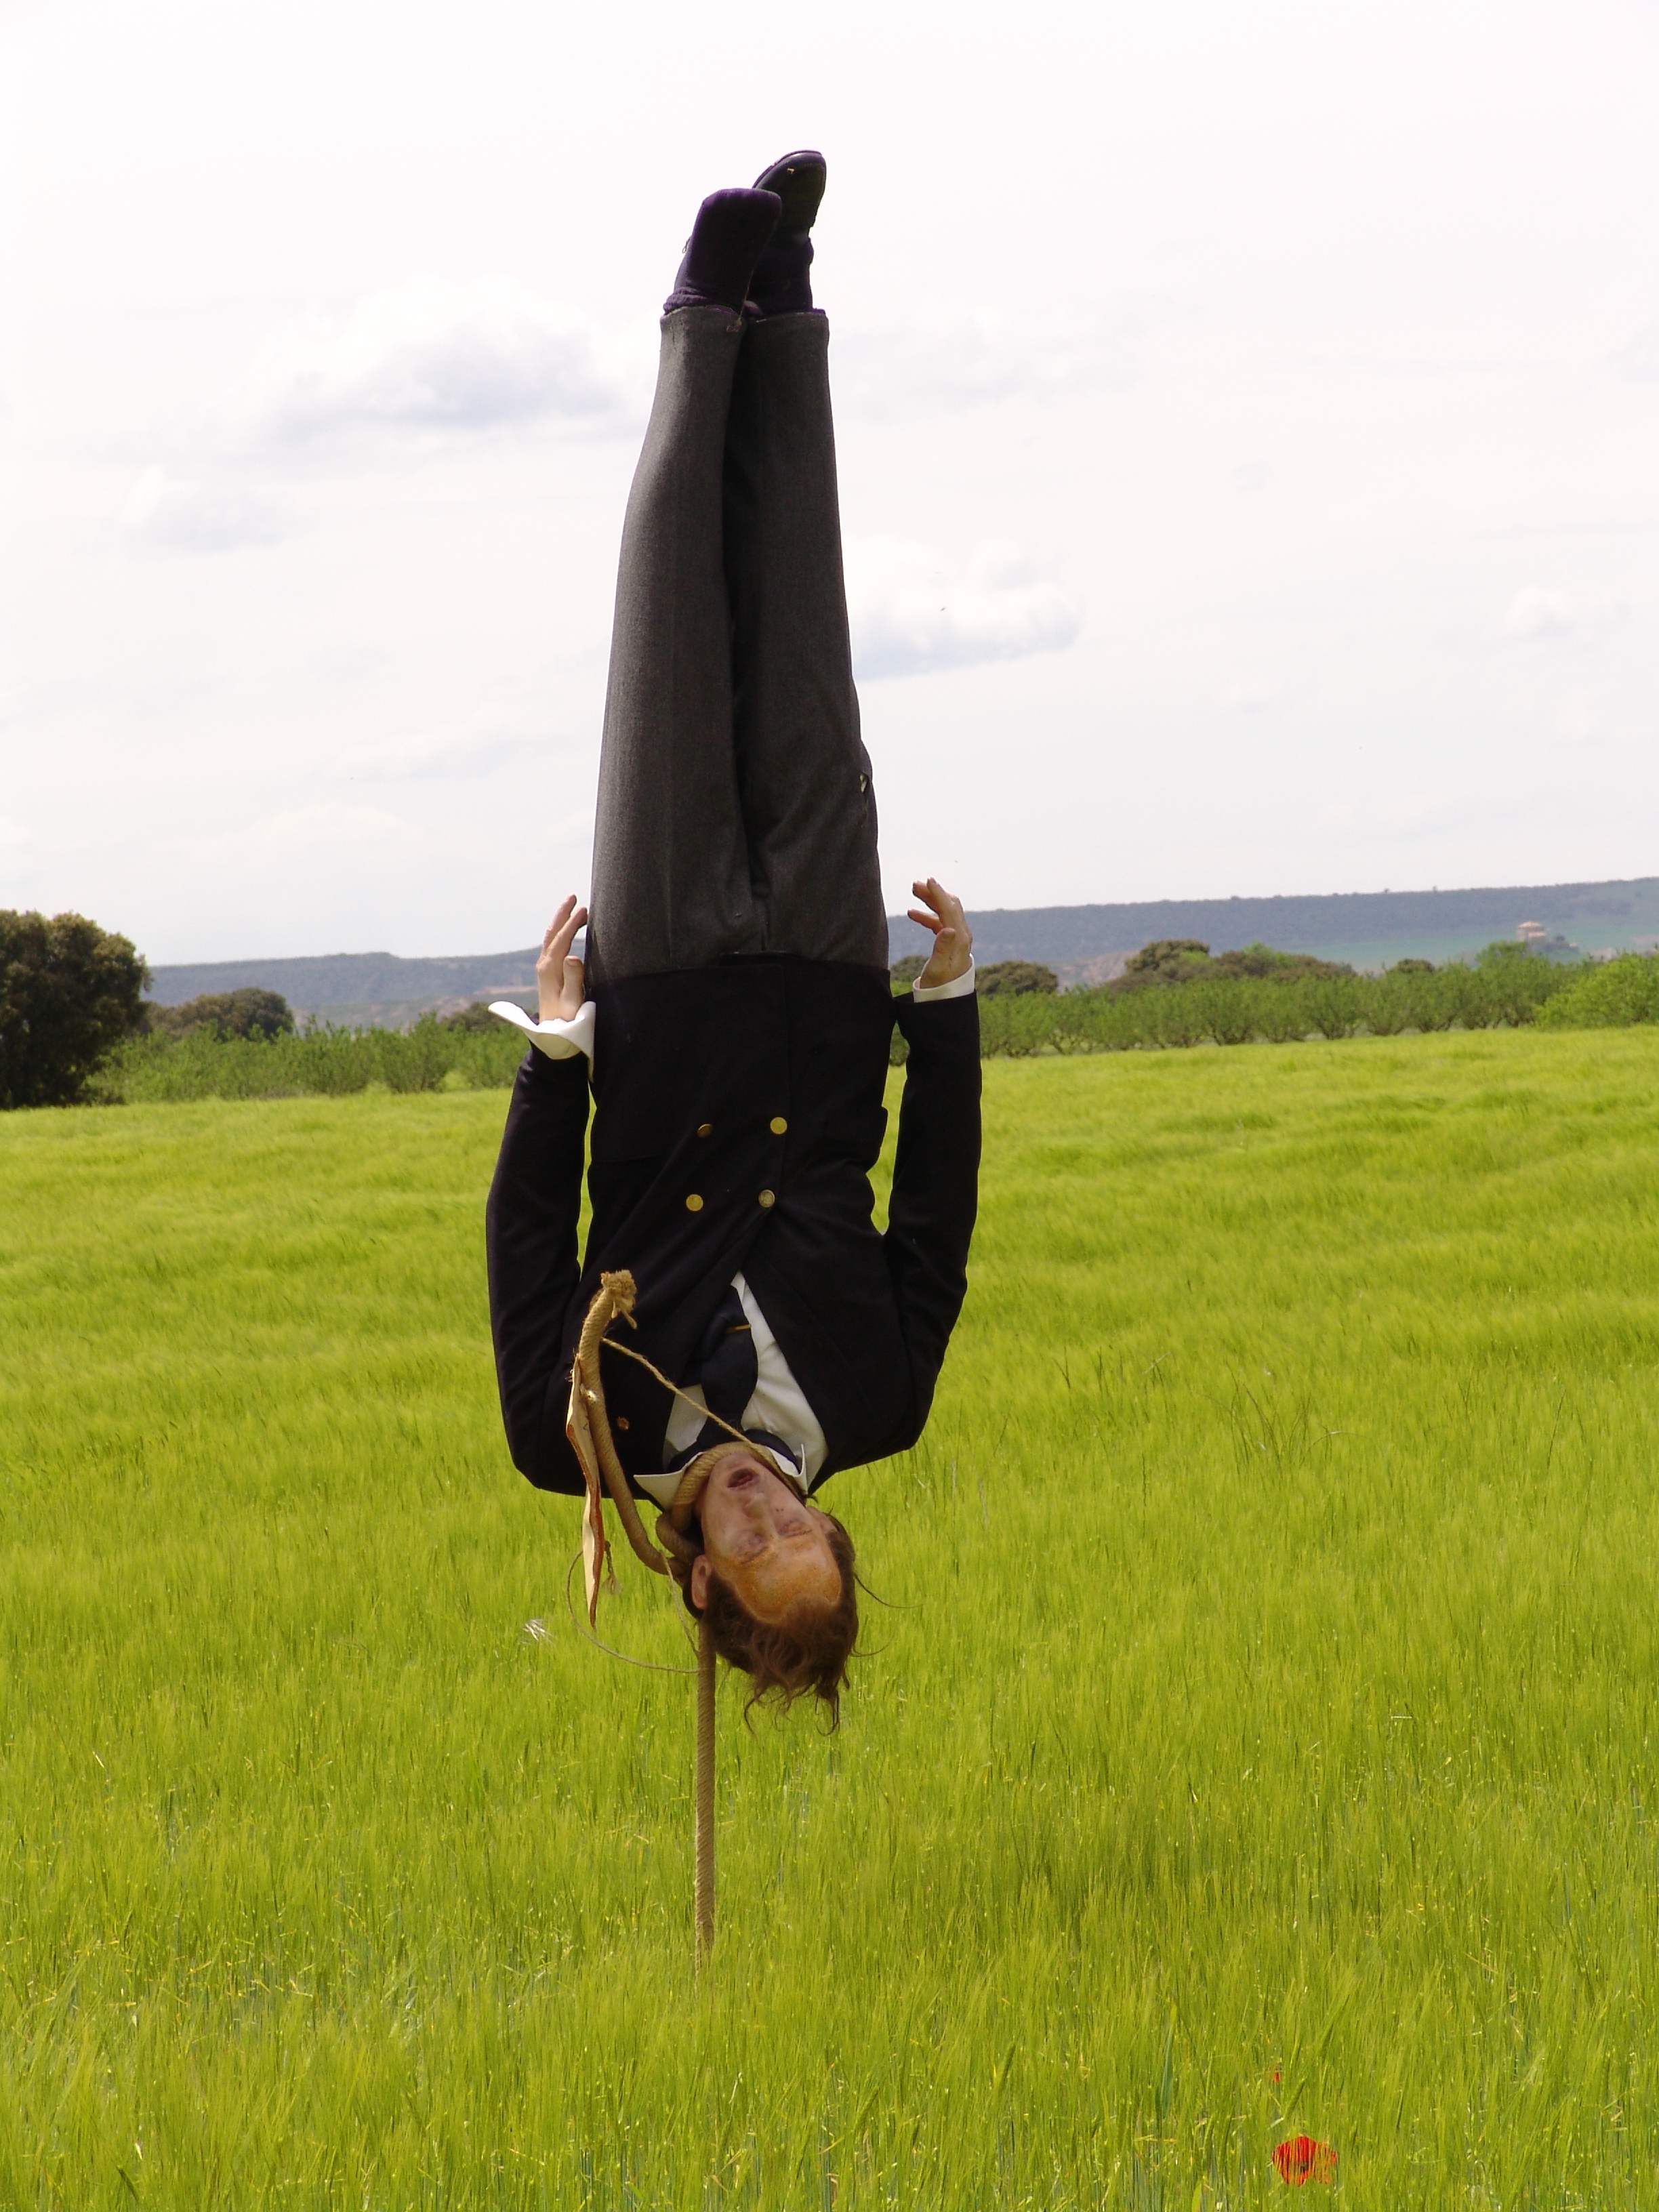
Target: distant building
1545,944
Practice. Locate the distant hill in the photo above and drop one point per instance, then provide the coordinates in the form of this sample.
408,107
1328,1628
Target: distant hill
379,990
1370,929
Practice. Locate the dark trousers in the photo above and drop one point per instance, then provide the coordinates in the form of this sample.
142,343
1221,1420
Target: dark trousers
736,809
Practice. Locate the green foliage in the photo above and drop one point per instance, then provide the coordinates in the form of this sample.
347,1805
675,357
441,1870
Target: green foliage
475,1020
1012,979
1409,966
1236,1010
1165,960
249,1013
1277,1015
1258,1740
1502,952
330,1062
1225,1015
454,1054
1184,960
905,971
1505,952
69,993
1607,994
1336,1004
1263,961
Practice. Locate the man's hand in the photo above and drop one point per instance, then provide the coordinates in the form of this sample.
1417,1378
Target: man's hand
953,941
561,980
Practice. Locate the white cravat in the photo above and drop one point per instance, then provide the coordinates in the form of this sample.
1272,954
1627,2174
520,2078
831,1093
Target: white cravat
779,1403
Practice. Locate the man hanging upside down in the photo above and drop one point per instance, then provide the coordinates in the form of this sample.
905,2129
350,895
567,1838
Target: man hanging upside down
734,1013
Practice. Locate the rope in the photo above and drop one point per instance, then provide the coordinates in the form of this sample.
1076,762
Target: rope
639,1359
628,1659
587,1426
703,1895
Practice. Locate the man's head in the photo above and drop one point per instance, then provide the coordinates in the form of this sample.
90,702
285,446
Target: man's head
773,1577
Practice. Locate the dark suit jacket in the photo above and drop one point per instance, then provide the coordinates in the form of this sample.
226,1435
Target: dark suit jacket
738,1112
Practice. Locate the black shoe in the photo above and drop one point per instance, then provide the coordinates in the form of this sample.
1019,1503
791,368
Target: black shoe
727,238
781,284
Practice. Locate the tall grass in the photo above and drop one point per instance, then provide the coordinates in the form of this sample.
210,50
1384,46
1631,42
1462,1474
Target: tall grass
322,1062
1258,1736
1242,1010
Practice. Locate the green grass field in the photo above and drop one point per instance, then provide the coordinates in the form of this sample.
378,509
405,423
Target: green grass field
1260,1739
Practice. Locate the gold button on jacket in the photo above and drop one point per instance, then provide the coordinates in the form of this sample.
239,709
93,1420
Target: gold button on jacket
705,1128
778,1124
769,1198
693,1203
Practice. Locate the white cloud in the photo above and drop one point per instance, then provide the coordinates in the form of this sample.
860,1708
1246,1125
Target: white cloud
1187,252
1540,614
979,362
1244,698
914,608
192,514
1639,356
436,356
333,824
409,759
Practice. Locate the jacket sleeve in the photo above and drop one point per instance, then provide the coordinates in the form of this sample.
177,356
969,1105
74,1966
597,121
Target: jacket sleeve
935,1194
530,1243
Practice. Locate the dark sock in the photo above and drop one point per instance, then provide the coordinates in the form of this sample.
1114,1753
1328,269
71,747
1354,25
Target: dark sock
727,238
782,283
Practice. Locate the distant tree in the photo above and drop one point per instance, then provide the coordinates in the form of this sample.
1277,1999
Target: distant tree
1412,967
904,972
1279,967
471,1021
1502,952
248,1012
1186,960
1007,979
1165,960
69,993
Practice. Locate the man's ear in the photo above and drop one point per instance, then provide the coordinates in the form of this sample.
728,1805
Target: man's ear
699,1585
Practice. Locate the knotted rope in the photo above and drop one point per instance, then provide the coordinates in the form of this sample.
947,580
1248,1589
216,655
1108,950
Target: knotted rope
587,1426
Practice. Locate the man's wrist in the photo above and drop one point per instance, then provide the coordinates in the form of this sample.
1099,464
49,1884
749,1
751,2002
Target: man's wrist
953,987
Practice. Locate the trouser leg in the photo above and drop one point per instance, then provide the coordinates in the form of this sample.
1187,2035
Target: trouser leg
670,882
804,777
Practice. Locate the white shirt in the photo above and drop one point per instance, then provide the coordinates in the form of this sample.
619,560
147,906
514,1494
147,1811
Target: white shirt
778,1404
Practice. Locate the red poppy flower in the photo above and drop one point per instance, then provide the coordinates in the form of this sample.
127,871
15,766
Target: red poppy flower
1300,2158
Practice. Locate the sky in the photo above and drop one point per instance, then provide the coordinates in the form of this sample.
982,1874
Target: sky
1248,416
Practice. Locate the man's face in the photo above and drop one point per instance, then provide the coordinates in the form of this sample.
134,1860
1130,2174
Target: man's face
767,1545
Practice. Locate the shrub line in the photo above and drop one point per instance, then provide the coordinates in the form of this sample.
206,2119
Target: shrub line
1220,1011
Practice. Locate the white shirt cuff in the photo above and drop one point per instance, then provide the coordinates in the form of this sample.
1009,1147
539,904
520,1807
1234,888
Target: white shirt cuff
558,1040
959,987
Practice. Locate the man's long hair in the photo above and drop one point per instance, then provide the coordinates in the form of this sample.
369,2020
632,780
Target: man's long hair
809,1653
